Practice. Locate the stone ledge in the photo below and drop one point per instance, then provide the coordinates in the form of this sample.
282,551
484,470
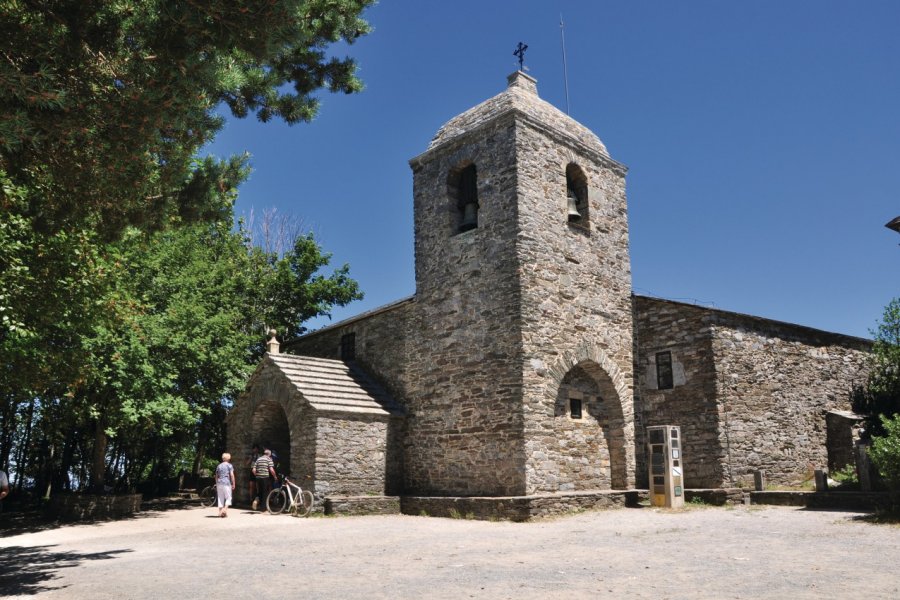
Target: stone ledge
362,505
90,507
863,501
519,508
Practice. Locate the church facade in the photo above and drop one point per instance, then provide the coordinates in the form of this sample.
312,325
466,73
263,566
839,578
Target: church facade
524,364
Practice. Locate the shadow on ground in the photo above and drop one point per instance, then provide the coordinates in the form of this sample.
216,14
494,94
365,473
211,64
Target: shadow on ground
880,518
35,520
29,570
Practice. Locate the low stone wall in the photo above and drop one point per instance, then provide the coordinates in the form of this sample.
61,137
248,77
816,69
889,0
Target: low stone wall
863,501
362,505
89,507
518,508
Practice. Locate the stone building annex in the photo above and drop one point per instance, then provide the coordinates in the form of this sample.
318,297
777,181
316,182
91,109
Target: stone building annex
524,369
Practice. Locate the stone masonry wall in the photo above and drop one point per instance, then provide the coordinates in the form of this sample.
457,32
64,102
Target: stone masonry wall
684,331
350,455
381,351
750,393
576,306
464,431
777,382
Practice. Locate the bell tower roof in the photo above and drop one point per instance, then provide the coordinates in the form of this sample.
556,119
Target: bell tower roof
520,96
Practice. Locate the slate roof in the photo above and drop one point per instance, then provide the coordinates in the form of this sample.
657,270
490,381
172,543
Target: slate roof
520,96
335,386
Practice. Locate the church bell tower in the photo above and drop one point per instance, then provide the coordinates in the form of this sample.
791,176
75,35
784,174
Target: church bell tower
523,306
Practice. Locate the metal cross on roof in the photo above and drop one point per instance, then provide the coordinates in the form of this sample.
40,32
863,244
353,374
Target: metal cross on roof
520,52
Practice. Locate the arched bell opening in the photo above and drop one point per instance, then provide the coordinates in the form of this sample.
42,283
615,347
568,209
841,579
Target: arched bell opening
462,190
577,206
590,429
270,429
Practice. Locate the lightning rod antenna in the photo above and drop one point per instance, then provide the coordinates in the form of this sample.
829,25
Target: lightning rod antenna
562,35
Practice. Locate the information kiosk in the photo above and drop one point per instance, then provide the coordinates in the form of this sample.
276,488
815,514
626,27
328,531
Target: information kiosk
666,470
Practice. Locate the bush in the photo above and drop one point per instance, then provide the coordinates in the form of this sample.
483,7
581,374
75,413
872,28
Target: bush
846,477
885,455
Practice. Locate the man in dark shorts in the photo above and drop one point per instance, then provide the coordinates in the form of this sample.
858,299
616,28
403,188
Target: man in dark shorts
264,469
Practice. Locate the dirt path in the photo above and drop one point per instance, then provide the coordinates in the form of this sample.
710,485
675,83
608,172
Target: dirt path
747,552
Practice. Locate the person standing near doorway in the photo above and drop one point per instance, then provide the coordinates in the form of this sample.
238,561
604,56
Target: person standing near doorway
265,475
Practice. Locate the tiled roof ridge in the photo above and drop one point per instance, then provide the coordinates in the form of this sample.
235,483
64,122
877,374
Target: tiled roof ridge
335,385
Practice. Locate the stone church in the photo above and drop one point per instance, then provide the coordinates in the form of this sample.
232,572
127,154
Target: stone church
524,366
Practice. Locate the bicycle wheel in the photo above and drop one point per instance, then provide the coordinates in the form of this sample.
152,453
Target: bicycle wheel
276,501
304,504
208,496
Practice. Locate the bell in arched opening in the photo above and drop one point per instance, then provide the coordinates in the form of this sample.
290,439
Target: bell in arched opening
572,206
469,217
467,198
577,196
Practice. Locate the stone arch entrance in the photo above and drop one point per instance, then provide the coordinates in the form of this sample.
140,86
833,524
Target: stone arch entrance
595,451
270,429
590,428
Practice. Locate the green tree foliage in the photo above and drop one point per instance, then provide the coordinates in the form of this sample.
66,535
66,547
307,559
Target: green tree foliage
180,327
297,291
129,310
885,455
104,105
881,395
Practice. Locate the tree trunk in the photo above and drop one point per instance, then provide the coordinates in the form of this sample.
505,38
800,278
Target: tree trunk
26,443
60,473
49,470
98,462
198,455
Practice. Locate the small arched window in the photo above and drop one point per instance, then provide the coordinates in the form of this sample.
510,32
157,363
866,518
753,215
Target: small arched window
577,196
463,188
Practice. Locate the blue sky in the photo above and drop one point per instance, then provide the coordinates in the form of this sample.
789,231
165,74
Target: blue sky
762,140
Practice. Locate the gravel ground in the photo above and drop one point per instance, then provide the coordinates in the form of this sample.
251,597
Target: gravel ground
745,552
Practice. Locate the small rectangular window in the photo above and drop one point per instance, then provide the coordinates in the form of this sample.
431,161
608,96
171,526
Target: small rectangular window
575,408
664,370
348,346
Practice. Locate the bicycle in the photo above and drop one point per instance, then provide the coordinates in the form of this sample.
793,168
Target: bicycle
289,497
208,496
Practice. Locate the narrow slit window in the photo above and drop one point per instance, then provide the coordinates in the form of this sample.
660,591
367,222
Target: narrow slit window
664,371
348,346
575,408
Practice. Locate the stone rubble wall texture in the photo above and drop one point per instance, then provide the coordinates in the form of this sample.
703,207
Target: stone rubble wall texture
754,393
350,455
362,505
519,508
464,422
576,311
381,351
691,404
